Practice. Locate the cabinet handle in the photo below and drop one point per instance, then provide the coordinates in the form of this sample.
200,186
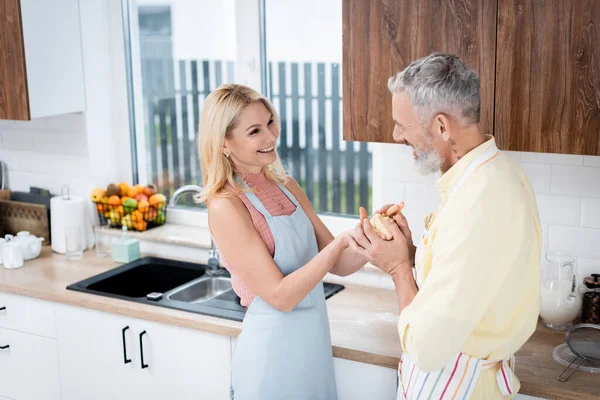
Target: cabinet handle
142,350
125,346
4,347
2,308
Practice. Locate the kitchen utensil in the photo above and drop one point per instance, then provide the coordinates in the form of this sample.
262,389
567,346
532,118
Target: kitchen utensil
583,341
590,313
17,216
12,255
564,356
560,298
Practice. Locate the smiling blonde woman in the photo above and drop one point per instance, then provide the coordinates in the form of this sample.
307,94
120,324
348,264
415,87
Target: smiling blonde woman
275,247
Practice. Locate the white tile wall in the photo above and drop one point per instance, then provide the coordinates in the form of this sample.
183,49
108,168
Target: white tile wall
567,188
588,266
591,161
48,152
558,210
582,242
576,181
590,212
540,176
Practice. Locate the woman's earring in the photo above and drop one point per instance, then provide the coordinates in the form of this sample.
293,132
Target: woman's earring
227,155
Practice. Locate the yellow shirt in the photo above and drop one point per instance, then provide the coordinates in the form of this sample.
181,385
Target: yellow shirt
480,271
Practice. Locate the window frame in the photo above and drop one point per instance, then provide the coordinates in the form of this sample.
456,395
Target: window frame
250,70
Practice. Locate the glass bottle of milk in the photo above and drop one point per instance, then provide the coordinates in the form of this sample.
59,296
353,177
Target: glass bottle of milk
560,298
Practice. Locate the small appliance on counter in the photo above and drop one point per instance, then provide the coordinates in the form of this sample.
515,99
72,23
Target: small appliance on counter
590,313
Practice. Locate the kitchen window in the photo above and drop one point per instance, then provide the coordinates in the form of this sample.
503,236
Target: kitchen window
182,49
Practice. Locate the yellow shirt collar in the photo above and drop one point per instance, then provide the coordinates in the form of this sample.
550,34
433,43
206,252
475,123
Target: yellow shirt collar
453,175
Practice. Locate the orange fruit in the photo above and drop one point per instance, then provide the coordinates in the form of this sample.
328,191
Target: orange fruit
114,200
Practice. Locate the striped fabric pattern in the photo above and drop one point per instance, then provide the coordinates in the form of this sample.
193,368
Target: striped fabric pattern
455,381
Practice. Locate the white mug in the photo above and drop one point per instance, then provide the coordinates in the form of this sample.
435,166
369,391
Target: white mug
12,255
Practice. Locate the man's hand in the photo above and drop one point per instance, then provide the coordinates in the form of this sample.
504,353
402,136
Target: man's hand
391,210
388,255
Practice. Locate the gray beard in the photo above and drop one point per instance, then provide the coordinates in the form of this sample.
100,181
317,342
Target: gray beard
427,162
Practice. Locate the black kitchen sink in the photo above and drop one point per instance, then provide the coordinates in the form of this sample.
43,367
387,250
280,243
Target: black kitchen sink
146,276
173,284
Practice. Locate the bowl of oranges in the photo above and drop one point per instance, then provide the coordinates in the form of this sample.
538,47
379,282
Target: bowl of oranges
137,207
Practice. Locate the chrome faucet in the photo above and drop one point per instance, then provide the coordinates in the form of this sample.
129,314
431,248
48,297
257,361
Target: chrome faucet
182,190
213,264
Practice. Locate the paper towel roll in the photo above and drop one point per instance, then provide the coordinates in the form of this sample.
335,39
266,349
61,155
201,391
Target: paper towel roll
66,212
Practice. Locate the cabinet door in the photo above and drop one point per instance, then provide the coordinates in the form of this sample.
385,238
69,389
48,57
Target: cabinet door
91,354
358,381
54,78
548,76
181,364
28,315
380,38
28,367
41,64
13,90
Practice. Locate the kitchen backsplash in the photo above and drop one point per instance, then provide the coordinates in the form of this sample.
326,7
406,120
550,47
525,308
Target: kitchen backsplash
47,152
567,188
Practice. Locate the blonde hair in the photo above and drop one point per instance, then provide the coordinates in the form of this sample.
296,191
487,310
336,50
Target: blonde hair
220,114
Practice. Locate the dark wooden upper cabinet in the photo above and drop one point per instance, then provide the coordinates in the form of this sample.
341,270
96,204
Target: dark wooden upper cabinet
548,76
13,78
382,37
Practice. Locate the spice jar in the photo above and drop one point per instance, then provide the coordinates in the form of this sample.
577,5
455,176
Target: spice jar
590,313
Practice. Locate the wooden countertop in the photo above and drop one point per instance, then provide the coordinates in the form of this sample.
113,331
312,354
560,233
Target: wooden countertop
362,319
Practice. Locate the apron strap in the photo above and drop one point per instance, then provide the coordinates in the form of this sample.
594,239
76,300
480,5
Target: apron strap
254,200
289,195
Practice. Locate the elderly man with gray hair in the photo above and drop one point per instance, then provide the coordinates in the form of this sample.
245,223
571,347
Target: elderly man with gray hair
468,292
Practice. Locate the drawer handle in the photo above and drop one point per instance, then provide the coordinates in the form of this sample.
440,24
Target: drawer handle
125,346
4,347
142,350
2,308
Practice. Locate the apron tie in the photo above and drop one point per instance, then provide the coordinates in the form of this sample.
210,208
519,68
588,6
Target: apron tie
504,376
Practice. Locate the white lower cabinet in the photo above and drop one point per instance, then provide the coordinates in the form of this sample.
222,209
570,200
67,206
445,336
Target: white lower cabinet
28,366
359,381
180,363
91,354
101,358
